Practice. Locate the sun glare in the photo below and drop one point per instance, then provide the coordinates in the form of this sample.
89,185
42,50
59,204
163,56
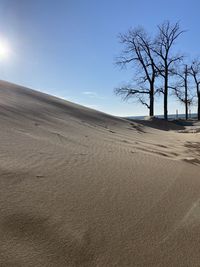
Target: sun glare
4,50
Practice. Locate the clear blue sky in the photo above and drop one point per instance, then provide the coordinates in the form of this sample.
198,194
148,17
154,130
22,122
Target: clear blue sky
67,47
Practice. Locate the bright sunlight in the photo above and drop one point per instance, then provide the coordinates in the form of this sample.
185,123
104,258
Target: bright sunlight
4,50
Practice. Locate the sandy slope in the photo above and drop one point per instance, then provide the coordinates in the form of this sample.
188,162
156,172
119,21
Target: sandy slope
81,188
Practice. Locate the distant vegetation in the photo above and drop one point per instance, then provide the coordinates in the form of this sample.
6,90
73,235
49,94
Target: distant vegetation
158,70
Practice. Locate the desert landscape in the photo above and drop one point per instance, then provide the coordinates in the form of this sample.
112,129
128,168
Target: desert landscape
82,188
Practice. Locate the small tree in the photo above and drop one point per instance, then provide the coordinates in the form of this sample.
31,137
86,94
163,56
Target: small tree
138,52
182,88
195,73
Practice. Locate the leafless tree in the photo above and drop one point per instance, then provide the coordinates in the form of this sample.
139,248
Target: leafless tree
138,53
181,89
167,35
195,73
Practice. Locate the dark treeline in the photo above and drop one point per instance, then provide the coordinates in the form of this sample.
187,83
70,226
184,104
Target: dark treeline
157,69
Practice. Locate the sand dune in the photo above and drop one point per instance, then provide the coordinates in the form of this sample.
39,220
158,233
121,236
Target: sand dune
81,188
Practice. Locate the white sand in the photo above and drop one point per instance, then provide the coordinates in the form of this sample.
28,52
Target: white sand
82,188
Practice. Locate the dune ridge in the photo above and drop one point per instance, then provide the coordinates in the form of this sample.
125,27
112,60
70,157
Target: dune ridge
82,188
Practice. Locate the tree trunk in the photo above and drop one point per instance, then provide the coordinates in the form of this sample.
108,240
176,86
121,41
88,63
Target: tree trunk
186,94
166,97
198,110
151,106
186,110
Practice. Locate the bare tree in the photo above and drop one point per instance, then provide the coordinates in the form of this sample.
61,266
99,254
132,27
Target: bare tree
195,73
138,53
182,88
168,33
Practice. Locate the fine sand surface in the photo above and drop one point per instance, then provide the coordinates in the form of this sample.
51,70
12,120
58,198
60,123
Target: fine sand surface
82,188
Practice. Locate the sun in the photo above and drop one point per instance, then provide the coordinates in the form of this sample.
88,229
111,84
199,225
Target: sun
4,50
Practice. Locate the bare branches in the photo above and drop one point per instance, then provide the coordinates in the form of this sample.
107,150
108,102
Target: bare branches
137,51
168,33
142,101
127,92
195,73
